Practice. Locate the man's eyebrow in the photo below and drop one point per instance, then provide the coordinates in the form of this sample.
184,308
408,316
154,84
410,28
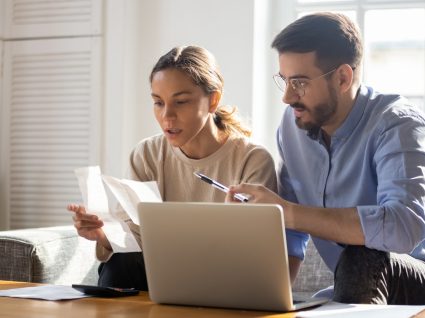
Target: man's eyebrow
295,76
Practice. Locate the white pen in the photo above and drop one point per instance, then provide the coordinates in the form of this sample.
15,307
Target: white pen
219,186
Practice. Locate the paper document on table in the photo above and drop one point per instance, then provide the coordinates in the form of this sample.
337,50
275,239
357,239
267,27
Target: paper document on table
129,193
334,310
45,292
96,202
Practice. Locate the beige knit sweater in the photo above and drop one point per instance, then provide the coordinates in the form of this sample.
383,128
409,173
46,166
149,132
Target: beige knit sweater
237,161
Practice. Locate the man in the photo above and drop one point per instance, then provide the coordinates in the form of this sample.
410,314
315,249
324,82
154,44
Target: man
352,167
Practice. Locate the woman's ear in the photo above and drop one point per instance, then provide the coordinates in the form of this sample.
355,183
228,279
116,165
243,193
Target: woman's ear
214,101
345,77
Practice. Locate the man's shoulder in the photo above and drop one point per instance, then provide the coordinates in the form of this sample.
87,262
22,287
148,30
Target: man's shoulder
403,109
393,109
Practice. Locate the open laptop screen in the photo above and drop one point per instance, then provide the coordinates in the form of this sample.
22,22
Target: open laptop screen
216,254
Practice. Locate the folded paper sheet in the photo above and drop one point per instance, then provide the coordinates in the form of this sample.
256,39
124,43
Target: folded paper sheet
336,310
45,292
128,193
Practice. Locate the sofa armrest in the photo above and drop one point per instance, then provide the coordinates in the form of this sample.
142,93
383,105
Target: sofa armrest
53,255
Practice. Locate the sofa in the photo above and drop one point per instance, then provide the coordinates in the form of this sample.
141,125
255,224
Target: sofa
53,255
57,255
313,276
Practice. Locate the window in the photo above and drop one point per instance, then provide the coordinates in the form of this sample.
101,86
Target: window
394,41
394,61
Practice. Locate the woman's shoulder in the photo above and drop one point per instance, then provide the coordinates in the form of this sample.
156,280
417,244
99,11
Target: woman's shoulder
242,149
151,147
245,144
153,142
255,162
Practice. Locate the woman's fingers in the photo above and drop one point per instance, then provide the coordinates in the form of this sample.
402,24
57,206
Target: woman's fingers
87,225
76,208
86,221
83,220
80,213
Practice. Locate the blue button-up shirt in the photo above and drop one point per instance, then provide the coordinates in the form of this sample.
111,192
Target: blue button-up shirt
375,162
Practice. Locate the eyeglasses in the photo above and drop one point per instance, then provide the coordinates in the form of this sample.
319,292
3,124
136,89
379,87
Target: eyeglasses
297,84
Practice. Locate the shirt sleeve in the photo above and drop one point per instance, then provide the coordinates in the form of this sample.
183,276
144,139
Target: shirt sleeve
284,186
397,222
296,241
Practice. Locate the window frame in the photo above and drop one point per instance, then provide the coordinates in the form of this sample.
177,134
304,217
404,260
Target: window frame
270,18
360,7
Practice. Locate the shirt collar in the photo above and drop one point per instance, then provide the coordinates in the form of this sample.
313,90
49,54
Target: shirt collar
347,127
353,118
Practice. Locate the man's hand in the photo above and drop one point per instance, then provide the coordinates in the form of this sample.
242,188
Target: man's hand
88,226
257,194
260,194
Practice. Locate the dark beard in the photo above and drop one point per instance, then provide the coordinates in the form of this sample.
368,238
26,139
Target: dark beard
321,114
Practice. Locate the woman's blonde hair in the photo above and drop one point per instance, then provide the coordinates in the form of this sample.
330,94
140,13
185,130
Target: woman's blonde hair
200,65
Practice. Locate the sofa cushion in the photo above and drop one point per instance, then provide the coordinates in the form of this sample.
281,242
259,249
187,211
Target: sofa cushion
313,276
54,255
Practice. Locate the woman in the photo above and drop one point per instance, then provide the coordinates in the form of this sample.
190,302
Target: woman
198,136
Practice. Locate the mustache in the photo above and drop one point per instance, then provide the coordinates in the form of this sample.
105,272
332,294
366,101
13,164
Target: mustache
298,105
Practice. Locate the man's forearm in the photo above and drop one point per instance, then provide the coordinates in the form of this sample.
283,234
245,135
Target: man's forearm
338,225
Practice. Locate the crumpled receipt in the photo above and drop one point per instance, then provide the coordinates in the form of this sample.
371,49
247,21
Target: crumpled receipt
128,193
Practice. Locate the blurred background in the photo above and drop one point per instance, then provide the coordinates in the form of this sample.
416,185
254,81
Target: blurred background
74,87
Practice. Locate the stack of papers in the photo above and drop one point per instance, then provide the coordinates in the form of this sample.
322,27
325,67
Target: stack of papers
334,310
45,292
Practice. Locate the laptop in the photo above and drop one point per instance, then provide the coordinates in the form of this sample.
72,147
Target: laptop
217,255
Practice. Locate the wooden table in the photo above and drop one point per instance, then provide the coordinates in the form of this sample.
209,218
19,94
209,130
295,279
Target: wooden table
133,306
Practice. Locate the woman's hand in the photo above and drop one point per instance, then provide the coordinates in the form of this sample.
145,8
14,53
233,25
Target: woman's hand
88,226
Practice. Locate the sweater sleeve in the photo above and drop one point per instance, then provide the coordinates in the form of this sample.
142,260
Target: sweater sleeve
103,254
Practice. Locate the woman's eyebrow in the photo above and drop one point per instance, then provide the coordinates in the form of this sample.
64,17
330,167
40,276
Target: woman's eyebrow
182,93
174,95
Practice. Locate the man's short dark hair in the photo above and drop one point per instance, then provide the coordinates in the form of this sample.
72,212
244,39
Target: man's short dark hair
333,37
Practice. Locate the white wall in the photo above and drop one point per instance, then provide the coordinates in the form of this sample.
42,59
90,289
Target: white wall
223,27
139,32
271,16
4,217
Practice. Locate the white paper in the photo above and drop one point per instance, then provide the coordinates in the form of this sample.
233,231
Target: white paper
96,202
46,292
92,191
129,193
120,237
334,310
